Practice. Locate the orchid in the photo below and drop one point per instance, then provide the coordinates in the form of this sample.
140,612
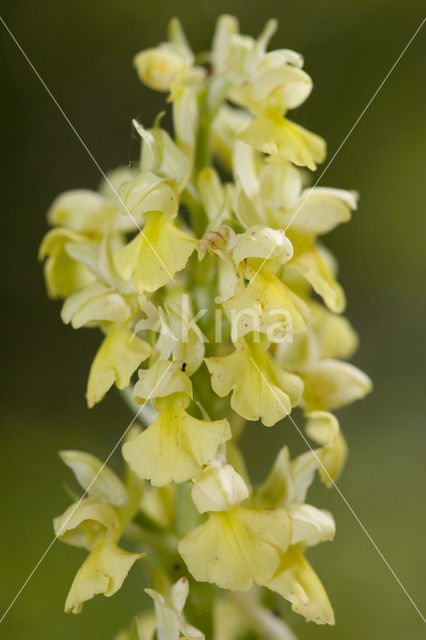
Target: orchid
203,266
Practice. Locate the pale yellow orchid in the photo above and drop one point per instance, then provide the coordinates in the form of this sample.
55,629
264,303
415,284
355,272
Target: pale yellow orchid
176,446
96,523
118,357
261,390
156,254
261,307
104,571
170,620
63,275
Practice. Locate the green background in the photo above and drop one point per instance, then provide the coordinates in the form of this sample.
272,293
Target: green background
83,50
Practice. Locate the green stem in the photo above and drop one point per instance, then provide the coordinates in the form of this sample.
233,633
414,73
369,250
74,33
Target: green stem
196,210
202,149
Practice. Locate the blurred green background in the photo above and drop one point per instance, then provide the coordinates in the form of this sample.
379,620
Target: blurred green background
83,50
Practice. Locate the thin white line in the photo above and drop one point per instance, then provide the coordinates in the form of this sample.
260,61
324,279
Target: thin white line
345,139
80,500
84,145
343,498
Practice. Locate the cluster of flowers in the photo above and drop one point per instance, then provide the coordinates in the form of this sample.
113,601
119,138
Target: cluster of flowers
224,232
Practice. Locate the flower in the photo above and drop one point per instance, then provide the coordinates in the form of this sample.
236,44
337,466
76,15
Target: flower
261,307
285,141
94,304
96,478
169,612
237,548
218,488
176,445
160,67
267,305
261,390
332,384
324,428
117,358
96,523
104,571
63,276
155,255
258,80
296,581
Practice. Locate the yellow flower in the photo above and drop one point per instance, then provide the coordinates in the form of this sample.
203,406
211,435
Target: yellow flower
261,390
63,275
218,488
117,358
81,210
148,192
95,477
179,334
94,213
169,614
318,210
262,242
264,190
155,255
226,127
285,141
267,305
334,334
161,156
316,265
237,548
288,480
327,336
161,66
85,521
161,380
310,525
332,384
158,68
176,446
296,581
103,571
279,84
324,428
258,80
96,523
183,339
256,234
94,304
186,118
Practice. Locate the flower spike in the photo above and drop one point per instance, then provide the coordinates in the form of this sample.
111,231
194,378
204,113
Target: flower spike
204,267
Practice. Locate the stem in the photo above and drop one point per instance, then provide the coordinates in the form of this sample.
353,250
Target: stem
202,150
196,210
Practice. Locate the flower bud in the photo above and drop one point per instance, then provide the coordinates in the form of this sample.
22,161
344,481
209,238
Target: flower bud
219,489
95,477
159,67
